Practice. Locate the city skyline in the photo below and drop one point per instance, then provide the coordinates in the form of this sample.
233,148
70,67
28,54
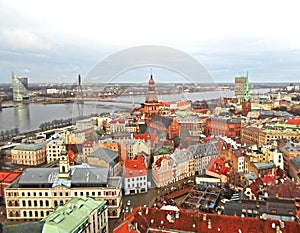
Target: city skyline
55,41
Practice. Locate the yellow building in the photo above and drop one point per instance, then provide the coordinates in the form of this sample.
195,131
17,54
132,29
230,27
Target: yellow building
39,191
29,154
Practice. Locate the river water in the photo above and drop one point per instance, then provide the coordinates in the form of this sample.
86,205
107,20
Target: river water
27,117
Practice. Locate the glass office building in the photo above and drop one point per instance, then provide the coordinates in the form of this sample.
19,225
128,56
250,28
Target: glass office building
20,88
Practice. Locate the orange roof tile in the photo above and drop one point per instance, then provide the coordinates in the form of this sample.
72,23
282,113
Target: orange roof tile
135,167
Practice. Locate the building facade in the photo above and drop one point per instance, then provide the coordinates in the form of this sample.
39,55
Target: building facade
240,83
135,176
54,149
39,191
229,127
20,88
29,154
162,172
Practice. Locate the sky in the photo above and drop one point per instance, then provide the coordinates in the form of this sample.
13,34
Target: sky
53,41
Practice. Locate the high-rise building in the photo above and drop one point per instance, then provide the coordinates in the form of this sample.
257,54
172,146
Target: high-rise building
20,88
246,104
240,86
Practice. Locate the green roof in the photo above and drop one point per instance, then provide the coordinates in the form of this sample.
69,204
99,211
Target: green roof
164,150
72,216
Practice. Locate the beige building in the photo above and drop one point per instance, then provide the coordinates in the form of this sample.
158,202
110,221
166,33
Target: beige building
132,147
39,191
54,149
240,86
265,136
32,154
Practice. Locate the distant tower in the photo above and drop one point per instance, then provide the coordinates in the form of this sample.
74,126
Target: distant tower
64,166
151,104
240,87
79,97
246,104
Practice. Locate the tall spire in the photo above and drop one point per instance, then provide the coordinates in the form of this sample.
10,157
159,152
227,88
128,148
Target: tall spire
151,97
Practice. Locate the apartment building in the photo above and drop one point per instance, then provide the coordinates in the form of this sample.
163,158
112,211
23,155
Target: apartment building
32,154
135,176
54,149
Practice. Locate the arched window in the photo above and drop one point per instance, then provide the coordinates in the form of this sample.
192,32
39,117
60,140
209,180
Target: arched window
23,203
30,213
63,169
61,202
55,203
36,213
47,203
35,202
17,214
11,214
41,202
16,203
42,213
24,214
9,203
29,203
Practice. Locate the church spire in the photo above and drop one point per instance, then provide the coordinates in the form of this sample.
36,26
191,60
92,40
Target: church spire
247,93
151,98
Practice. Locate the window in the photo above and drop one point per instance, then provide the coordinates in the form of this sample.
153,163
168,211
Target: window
24,214
35,202
23,203
47,203
41,202
29,203
41,194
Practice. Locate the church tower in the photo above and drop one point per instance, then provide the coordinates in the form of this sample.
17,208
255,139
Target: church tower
151,105
246,104
64,166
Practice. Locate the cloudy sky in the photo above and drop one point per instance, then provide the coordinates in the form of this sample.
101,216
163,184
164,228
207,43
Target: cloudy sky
53,41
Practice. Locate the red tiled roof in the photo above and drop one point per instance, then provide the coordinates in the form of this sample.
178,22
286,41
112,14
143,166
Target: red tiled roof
288,189
87,144
153,137
135,167
118,121
217,165
294,121
157,220
9,176
71,156
158,162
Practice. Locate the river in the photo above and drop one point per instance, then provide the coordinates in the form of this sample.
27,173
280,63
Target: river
27,117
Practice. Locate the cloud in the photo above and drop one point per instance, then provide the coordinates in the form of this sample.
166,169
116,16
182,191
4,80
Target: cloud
24,40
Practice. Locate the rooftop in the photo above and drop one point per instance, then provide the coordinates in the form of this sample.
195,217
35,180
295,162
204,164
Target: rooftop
107,155
157,220
31,146
72,215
